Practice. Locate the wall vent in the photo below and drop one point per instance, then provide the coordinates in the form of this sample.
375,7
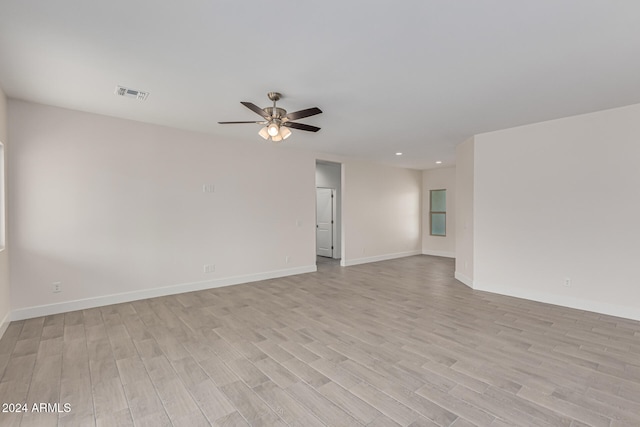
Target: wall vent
131,93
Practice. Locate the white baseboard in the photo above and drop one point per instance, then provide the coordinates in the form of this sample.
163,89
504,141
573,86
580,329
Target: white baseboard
4,324
445,254
464,279
347,263
63,307
626,312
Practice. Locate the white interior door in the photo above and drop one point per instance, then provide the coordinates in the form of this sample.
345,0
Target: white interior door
324,221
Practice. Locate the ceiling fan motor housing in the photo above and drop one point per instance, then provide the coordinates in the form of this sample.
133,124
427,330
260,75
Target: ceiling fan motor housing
279,112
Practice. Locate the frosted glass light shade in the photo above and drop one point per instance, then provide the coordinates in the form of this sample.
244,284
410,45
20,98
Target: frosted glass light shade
263,133
285,133
273,129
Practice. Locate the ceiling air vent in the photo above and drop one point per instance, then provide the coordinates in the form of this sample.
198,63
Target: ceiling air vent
131,93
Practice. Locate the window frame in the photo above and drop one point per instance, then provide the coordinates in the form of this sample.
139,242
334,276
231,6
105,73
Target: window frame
432,212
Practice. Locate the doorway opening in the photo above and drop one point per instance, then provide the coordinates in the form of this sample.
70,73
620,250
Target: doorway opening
328,212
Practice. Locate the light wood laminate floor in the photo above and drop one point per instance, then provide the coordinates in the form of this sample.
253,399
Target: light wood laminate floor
391,343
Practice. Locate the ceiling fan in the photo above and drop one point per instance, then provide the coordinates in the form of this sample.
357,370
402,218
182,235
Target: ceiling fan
276,120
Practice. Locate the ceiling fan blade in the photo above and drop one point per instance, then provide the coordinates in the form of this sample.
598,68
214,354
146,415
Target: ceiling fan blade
303,113
253,107
232,123
301,126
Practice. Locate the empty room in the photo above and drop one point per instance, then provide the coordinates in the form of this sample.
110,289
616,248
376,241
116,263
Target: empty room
417,213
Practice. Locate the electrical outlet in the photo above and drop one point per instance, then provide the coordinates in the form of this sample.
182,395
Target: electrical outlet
56,287
208,188
209,268
567,282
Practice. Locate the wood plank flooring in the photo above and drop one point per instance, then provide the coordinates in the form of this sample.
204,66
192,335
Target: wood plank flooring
394,343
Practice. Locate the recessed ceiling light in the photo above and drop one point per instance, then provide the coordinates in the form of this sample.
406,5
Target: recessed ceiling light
439,162
398,154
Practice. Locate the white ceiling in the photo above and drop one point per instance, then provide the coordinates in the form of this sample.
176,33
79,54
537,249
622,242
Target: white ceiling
416,76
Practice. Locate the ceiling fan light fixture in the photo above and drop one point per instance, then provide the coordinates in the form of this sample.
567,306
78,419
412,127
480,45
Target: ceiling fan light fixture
276,138
273,129
264,133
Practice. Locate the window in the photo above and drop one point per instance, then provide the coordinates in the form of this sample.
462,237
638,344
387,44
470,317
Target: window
438,212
